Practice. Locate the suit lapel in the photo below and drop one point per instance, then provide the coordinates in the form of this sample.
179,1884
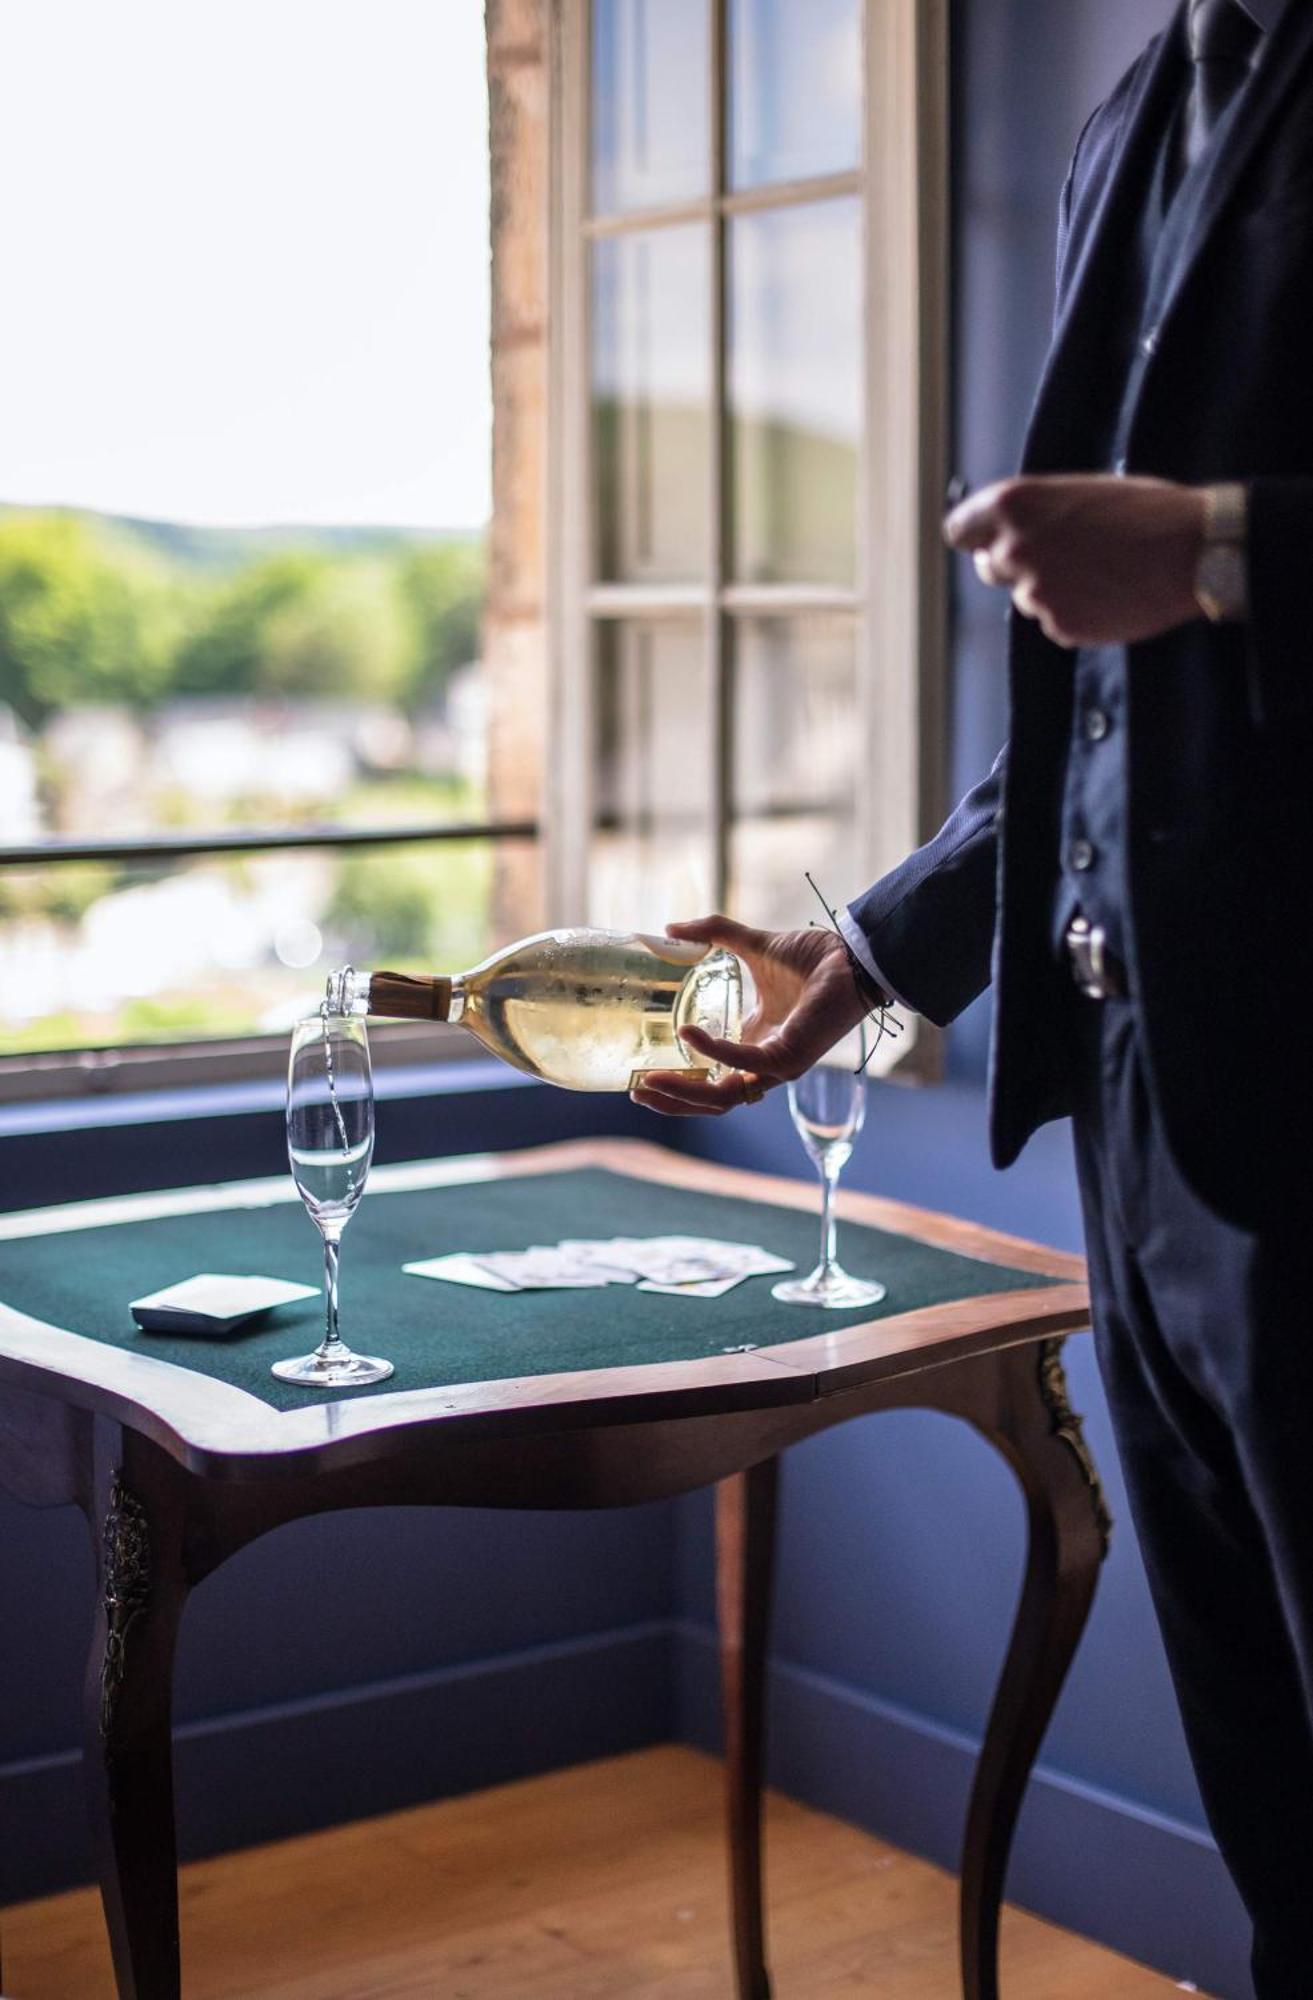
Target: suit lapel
1158,92
1288,48
1103,243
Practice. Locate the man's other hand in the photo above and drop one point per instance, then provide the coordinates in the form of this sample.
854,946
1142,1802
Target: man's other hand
807,1000
1097,559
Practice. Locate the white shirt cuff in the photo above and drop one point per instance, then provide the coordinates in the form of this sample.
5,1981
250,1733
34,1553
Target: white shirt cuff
855,939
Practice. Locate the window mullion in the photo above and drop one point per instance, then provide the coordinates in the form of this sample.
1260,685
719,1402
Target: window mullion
568,781
718,554
871,464
906,471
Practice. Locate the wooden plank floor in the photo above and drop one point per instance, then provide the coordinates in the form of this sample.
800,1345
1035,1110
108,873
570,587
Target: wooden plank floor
599,1883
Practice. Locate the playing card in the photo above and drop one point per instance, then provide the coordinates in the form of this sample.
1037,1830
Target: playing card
690,1259
460,1269
666,1260
214,1302
542,1268
709,1288
684,1266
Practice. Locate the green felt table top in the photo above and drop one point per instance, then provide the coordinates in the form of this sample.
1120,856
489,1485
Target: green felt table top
441,1334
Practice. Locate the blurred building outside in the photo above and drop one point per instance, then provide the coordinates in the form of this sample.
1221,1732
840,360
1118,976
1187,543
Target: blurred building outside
72,949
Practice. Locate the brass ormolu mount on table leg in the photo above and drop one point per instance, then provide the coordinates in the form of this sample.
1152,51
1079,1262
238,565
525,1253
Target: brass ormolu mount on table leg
126,1592
137,1513
1068,1426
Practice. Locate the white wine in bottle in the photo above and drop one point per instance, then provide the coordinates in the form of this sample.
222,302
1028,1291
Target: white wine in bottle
591,1010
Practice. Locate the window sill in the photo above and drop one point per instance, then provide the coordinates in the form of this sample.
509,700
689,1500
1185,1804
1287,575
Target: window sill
97,1112
147,1070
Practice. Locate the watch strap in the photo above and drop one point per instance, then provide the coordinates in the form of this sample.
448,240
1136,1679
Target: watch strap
1226,516
1221,577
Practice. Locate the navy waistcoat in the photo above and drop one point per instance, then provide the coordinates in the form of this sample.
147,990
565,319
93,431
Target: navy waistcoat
1091,856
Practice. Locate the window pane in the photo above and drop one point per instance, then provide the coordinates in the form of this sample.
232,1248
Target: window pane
651,142
654,763
161,676
156,678
651,390
795,90
97,953
796,764
795,392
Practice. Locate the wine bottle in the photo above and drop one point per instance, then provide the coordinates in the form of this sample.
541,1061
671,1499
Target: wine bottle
588,1009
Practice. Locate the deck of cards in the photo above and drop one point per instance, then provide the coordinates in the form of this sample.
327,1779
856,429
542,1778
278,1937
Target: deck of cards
213,1302
693,1267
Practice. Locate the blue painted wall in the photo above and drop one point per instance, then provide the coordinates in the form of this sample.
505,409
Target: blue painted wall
346,1665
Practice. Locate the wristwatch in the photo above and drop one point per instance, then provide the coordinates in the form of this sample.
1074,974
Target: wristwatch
1221,571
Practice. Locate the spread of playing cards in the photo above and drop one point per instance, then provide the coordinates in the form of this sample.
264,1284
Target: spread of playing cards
696,1267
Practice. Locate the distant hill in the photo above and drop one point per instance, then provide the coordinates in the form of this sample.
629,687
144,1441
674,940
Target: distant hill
229,548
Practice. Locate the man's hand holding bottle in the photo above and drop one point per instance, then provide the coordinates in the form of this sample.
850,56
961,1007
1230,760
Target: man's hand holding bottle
807,1000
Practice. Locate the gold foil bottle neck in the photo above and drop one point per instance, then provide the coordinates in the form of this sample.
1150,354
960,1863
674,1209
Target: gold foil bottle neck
401,997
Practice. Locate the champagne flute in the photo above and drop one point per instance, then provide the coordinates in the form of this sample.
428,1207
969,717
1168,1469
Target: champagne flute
828,1106
330,1142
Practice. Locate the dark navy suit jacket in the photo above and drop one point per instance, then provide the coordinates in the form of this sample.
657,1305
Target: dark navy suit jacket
1219,756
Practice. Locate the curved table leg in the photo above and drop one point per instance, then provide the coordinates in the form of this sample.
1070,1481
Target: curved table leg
127,1744
1032,1423
745,1548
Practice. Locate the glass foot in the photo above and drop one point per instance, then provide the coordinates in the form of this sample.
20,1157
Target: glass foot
828,1286
334,1371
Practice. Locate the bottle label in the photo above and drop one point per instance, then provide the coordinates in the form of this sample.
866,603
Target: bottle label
675,951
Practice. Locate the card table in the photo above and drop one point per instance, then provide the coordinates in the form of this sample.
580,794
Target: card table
181,1451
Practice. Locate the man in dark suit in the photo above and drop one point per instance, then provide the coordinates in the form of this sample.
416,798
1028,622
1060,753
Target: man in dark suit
1133,875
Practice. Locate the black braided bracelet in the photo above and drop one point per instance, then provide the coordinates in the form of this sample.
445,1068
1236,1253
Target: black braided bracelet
876,1003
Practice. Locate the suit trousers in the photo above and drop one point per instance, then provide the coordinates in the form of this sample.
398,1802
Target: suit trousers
1204,1333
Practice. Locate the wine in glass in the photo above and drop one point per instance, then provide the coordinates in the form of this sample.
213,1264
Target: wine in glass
330,1142
828,1106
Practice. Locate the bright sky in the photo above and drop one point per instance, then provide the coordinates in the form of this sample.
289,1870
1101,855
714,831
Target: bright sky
244,247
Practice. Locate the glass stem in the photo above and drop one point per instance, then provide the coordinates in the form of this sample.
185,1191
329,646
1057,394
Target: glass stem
332,1343
827,1219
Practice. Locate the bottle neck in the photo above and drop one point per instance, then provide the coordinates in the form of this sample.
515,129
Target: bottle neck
403,998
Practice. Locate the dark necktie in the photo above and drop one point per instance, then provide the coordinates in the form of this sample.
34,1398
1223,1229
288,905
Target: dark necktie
1224,42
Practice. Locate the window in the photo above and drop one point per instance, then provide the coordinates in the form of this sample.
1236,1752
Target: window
748,387
734,232
251,250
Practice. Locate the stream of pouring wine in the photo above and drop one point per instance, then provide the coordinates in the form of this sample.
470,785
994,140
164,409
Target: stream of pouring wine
325,1016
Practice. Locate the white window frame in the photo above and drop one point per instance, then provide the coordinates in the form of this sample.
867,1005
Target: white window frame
899,598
